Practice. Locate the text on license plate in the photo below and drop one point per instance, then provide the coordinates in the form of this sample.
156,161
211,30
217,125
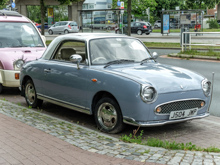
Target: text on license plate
183,113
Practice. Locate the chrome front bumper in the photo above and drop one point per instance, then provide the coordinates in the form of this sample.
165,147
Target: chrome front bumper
131,121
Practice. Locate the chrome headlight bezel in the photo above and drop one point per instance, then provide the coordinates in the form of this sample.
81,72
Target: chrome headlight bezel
18,64
148,93
206,87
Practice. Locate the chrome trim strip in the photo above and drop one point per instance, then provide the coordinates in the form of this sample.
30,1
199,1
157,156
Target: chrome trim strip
213,74
176,101
64,104
131,121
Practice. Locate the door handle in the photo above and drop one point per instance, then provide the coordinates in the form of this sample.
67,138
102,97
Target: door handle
47,70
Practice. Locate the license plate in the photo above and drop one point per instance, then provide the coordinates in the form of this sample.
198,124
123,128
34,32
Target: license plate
183,113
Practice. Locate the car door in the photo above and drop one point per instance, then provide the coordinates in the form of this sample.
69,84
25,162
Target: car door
133,27
56,27
65,82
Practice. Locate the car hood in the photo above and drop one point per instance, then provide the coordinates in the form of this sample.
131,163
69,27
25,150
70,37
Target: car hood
164,78
9,55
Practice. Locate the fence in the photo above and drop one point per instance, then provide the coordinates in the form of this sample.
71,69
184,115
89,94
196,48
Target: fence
189,43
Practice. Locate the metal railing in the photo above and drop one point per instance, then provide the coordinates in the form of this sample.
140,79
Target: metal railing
184,38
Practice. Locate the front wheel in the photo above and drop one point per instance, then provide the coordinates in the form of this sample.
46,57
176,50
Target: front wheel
66,31
108,116
31,95
50,32
139,32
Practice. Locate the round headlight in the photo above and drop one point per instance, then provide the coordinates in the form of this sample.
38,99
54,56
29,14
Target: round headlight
19,63
148,94
206,87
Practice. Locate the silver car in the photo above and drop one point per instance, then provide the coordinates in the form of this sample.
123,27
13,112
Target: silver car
64,27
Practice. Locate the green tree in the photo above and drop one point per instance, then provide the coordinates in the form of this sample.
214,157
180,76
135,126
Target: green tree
136,8
166,5
43,10
34,13
3,3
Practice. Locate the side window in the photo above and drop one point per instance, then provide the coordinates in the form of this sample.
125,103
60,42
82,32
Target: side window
63,23
73,24
69,48
57,24
137,24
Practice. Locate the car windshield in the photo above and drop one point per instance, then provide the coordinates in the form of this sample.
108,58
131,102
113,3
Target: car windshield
103,51
19,35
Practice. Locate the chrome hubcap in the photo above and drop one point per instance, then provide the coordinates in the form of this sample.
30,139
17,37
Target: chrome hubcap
107,116
30,93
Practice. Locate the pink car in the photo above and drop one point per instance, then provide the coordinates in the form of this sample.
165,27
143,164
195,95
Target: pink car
20,41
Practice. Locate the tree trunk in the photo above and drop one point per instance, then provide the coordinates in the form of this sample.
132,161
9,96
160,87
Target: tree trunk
129,18
218,11
42,6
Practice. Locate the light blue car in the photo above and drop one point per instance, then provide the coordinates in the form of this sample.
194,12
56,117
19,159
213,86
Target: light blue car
116,79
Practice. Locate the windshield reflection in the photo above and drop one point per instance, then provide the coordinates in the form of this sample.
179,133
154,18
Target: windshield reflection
19,35
103,51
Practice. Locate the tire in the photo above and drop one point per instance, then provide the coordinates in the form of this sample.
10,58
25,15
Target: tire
1,88
66,31
50,32
139,32
147,33
31,95
108,116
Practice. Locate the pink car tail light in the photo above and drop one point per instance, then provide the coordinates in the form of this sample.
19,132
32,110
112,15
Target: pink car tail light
145,27
69,26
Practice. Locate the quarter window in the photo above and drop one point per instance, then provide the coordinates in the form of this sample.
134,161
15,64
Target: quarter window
69,48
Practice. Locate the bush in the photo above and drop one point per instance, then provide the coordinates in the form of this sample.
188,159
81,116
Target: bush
213,24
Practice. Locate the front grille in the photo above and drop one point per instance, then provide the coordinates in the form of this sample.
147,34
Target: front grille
179,105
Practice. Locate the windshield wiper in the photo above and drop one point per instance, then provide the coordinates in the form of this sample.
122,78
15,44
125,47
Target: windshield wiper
117,62
146,59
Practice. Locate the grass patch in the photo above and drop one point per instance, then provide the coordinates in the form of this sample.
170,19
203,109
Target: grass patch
162,44
154,142
191,30
210,52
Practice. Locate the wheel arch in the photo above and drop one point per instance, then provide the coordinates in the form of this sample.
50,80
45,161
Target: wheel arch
100,95
24,80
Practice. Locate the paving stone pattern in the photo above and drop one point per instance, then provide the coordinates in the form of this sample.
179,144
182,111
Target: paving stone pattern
97,142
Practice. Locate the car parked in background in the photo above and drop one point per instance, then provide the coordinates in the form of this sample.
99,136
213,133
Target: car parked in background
141,27
157,24
46,26
137,27
64,27
115,78
20,41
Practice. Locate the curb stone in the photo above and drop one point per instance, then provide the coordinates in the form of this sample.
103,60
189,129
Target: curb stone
194,56
100,143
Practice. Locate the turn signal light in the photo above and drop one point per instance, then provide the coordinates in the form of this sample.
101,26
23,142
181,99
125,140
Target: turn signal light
17,75
158,110
202,104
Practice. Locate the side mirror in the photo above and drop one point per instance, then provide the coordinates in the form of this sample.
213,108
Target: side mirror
76,59
155,55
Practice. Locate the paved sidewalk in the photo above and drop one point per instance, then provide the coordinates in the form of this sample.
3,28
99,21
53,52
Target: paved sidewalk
37,138
23,144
